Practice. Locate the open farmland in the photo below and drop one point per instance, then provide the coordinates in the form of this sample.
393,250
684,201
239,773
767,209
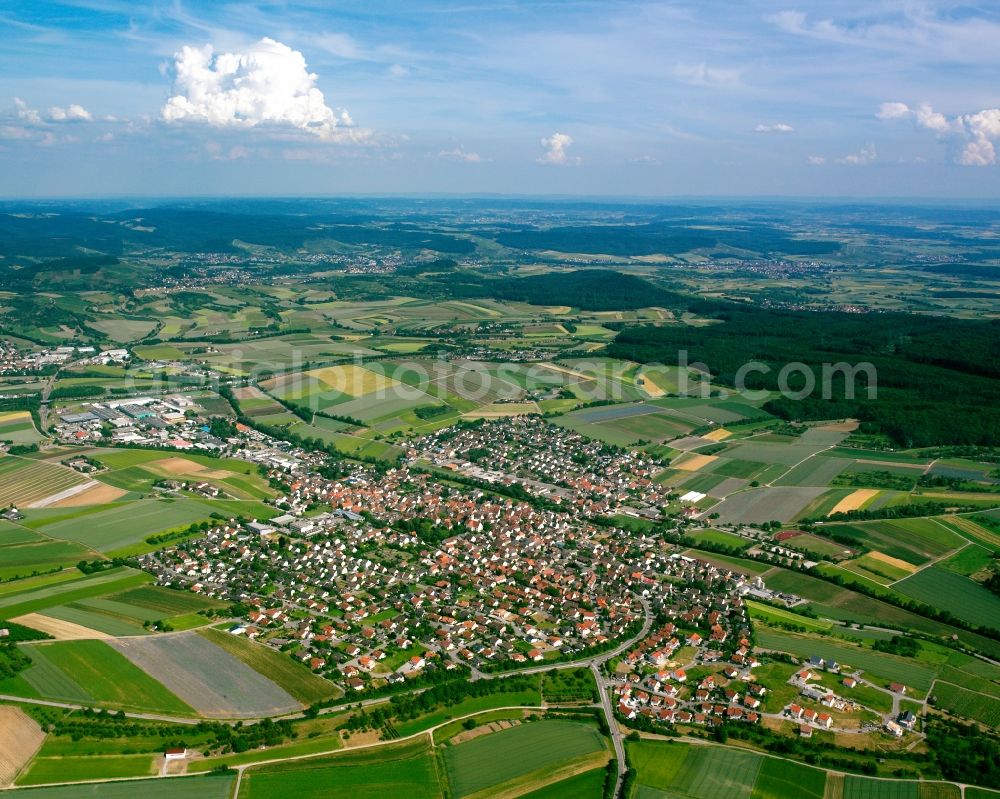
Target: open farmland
588,785
960,596
43,555
206,677
500,757
139,470
290,674
107,620
45,770
123,523
817,471
20,739
214,786
781,779
856,787
781,503
877,666
91,672
71,590
24,482
18,427
967,704
914,540
164,602
386,771
698,772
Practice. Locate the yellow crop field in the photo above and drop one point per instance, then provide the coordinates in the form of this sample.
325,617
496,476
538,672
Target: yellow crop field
352,379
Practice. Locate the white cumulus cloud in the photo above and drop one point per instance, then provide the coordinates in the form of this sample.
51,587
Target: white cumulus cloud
556,147
32,116
893,111
267,85
75,113
29,115
975,133
460,154
780,127
863,157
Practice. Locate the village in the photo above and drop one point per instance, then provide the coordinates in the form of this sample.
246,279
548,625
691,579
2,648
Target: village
377,578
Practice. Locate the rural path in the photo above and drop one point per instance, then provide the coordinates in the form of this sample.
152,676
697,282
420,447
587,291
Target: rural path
71,706
429,732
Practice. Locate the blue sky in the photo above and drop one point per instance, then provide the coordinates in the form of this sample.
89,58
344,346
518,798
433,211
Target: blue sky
709,97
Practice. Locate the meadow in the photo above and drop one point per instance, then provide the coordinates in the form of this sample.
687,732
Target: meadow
500,757
877,666
18,428
588,785
40,555
41,596
701,772
120,524
672,770
916,540
214,786
960,596
45,770
404,770
475,704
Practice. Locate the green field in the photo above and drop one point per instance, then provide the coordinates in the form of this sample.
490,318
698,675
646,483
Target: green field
876,665
864,788
780,779
947,590
215,786
700,772
42,555
673,770
720,537
475,704
18,428
120,524
588,785
164,602
385,771
92,672
914,540
500,757
967,704
759,610
45,770
71,590
291,675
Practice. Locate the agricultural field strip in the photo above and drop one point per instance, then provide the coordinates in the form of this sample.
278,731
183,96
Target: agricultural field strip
206,677
935,561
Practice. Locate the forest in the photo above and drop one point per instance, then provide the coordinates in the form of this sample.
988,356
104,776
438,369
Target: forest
938,378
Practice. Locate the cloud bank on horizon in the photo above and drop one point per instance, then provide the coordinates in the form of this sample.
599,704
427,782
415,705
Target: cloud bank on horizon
642,97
